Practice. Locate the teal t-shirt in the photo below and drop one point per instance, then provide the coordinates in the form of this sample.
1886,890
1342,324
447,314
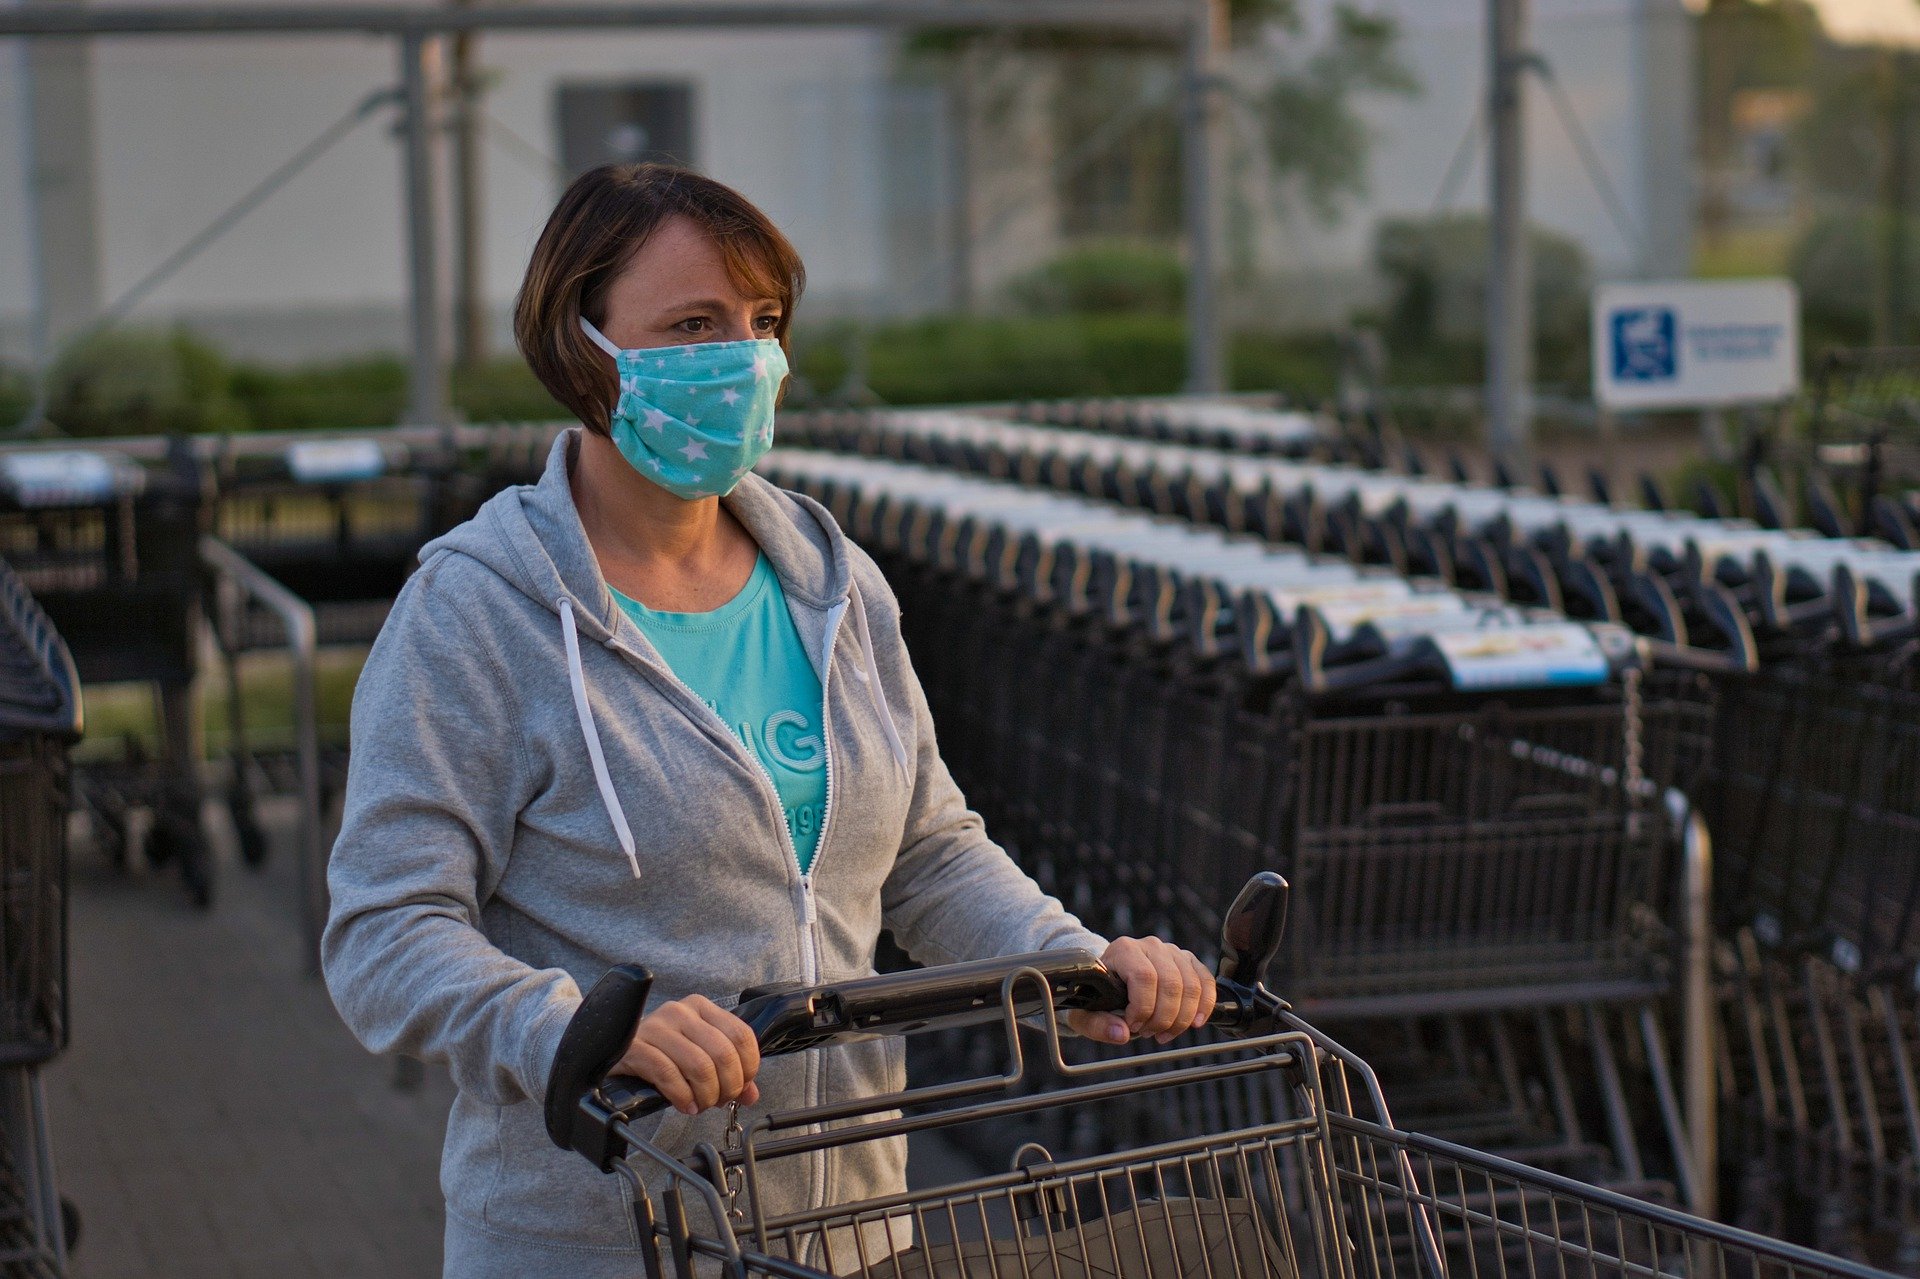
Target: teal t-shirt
745,660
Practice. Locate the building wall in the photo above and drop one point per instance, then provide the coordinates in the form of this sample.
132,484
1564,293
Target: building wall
1626,69
185,126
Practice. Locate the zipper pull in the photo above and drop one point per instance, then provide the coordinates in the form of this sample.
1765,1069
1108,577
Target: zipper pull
808,912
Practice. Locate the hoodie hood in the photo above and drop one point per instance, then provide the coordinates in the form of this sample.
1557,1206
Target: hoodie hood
531,535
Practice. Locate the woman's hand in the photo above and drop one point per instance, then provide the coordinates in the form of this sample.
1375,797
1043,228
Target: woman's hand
696,1053
1168,991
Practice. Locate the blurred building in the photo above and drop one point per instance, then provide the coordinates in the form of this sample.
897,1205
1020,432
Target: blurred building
910,179
114,156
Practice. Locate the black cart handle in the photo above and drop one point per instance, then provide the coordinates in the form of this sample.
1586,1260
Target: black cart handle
585,1101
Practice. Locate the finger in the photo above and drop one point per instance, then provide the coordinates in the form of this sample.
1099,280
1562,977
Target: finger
1191,985
1104,1027
1170,981
696,1067
660,1070
1143,983
714,1042
1209,993
750,1095
745,1046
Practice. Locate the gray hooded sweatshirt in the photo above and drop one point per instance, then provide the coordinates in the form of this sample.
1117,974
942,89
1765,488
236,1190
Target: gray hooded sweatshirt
534,797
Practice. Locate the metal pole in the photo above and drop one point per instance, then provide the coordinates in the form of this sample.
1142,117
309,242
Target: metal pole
1899,162
1698,1050
1509,286
427,366
470,296
1206,367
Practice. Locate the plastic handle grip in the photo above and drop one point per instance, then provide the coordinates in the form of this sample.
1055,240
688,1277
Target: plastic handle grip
595,1041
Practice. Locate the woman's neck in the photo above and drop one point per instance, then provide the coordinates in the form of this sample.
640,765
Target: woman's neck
665,551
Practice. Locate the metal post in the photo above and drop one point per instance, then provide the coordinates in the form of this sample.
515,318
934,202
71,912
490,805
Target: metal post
470,295
1698,1050
1206,365
1899,162
427,362
1509,283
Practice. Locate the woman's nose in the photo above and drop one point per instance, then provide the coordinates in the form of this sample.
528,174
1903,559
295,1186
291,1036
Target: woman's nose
737,328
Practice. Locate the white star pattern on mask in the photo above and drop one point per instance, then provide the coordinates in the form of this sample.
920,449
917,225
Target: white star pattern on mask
695,451
653,464
655,420
730,396
759,367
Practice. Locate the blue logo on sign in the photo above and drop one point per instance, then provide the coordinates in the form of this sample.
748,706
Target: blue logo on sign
1644,345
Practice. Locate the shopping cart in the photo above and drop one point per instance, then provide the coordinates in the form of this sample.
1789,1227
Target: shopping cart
39,721
107,539
1312,1180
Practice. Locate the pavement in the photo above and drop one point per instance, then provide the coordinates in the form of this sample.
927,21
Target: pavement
214,1119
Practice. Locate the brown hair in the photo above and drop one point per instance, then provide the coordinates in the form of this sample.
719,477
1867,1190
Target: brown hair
601,221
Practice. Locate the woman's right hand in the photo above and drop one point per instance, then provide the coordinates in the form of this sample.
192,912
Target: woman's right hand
696,1053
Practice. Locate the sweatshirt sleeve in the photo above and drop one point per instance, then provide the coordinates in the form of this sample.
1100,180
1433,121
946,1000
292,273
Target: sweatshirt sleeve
435,784
953,894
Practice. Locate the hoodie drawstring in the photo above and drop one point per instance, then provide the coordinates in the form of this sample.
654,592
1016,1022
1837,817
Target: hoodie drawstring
871,678
577,677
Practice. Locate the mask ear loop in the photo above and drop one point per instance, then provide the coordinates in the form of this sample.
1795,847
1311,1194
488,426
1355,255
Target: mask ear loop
599,339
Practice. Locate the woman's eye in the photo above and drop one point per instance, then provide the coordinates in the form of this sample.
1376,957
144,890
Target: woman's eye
767,323
695,324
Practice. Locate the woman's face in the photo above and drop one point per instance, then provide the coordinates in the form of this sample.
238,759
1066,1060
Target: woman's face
676,290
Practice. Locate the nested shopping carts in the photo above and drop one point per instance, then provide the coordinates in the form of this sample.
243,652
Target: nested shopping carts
107,540
39,720
1146,711
1319,1182
1813,787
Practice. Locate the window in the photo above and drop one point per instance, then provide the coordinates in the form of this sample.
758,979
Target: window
625,124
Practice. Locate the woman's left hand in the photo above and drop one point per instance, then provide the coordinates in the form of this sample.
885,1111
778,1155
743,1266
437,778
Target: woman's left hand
1169,991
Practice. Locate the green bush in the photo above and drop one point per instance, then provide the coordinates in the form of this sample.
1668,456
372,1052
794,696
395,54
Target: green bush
345,394
949,360
1436,272
1106,278
1839,264
142,382
504,390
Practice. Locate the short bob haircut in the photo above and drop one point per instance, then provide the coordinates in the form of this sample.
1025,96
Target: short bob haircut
601,221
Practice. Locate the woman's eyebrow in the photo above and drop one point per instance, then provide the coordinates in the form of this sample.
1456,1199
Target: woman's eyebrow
716,304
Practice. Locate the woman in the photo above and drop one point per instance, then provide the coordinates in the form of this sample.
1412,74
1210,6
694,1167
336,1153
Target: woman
653,709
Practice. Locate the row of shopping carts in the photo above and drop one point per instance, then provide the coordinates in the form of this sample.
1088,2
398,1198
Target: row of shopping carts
40,718
1486,878
150,554
1811,791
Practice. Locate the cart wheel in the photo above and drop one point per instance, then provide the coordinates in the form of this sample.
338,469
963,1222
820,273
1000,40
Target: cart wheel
253,840
196,871
110,835
69,1223
174,840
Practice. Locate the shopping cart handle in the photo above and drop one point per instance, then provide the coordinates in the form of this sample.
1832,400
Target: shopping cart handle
1255,926
583,1105
578,1114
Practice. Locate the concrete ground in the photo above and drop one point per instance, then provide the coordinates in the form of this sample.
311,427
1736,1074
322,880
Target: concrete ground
213,1118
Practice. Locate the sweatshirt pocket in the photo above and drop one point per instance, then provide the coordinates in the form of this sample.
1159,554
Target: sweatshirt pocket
552,1196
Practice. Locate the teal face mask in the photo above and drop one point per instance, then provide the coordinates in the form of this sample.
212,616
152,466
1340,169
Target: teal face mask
695,418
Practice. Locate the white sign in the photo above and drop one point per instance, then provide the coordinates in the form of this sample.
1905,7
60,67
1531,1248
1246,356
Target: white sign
334,461
67,478
1695,343
1523,656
